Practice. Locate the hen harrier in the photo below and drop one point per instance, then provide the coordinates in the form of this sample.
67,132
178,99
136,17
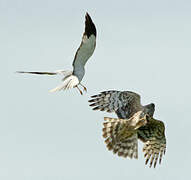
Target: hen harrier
73,78
135,122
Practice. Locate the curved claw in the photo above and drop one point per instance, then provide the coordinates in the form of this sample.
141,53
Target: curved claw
84,88
79,90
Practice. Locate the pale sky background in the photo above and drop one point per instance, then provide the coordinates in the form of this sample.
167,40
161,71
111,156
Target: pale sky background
142,46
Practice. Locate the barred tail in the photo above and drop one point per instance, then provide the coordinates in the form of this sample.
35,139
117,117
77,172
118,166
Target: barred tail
118,139
69,82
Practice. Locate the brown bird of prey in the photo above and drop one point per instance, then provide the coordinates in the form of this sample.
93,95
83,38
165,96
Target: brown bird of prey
134,122
73,78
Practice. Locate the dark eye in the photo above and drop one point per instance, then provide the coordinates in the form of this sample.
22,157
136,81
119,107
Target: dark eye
147,117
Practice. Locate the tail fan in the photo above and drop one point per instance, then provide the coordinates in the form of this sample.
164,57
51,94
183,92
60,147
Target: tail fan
69,82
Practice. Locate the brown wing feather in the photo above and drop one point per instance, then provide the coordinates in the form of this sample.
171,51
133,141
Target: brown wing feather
118,140
121,134
153,136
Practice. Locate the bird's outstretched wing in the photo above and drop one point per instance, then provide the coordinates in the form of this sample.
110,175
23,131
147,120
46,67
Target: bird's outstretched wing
123,103
153,137
121,134
87,46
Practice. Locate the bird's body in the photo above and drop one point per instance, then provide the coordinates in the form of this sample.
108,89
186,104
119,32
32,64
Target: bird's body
73,78
127,106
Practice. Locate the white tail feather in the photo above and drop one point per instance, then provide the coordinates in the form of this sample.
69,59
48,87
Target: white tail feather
70,81
64,72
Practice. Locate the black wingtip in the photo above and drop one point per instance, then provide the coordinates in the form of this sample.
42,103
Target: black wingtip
94,96
92,104
89,26
91,100
87,15
96,108
147,160
155,164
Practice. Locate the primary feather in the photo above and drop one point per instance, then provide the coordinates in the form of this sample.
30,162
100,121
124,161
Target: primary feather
121,134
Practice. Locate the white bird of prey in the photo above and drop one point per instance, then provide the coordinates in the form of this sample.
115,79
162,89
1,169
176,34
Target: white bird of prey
73,78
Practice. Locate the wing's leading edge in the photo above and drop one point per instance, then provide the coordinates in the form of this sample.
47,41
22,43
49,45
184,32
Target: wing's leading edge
86,48
123,103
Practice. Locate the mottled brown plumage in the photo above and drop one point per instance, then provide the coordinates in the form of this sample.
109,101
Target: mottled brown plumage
124,103
121,134
153,137
127,106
